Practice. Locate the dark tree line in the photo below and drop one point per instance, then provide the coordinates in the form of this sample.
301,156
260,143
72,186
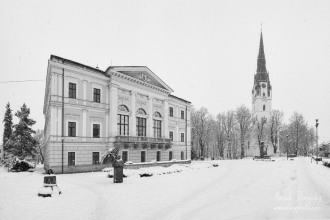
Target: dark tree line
20,140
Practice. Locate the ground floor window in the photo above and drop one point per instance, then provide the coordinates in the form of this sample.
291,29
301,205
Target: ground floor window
157,128
96,157
170,155
182,155
96,130
158,156
71,158
143,156
72,129
171,135
124,156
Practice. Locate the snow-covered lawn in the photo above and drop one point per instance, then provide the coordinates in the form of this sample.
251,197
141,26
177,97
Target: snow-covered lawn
236,189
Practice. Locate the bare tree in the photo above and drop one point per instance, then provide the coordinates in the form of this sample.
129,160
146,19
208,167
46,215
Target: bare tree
243,118
297,124
220,134
274,127
228,126
202,130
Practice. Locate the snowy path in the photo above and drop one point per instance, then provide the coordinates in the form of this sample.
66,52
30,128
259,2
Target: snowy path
241,189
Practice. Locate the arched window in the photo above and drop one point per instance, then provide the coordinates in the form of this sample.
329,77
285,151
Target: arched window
141,111
264,107
141,123
157,114
123,108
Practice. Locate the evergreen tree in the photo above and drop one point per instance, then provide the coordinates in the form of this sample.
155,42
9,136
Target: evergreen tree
22,143
8,120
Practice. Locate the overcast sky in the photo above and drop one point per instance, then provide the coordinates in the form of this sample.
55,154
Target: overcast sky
206,51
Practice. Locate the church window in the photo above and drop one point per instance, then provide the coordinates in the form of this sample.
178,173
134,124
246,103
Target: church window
264,107
263,94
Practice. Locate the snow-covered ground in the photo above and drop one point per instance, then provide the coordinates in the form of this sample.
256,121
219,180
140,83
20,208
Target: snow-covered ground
243,189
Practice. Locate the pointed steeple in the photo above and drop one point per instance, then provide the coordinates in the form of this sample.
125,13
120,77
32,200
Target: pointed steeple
261,68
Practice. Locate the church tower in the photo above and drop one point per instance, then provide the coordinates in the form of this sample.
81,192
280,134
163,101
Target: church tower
262,89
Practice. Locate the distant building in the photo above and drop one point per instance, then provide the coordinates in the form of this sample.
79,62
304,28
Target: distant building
87,111
261,100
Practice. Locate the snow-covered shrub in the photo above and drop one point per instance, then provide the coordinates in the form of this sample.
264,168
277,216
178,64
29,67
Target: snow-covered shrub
326,162
21,165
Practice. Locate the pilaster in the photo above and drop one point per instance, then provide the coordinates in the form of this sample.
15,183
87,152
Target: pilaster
150,119
84,91
133,115
113,110
165,124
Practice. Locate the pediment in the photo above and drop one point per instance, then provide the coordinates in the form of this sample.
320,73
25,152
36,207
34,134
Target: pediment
143,74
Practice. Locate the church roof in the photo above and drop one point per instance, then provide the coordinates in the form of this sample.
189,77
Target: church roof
262,74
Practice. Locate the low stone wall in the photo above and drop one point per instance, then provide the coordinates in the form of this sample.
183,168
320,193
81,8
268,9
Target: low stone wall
155,164
100,167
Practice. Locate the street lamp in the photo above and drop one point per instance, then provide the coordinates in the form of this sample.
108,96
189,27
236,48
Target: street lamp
317,151
287,146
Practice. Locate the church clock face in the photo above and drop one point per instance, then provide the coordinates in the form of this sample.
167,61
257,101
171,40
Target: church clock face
263,85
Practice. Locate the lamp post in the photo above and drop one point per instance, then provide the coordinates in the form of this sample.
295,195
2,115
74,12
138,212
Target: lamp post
317,151
287,146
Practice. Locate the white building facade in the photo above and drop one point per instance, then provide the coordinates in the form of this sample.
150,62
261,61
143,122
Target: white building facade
87,111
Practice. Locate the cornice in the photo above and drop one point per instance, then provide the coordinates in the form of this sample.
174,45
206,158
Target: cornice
137,81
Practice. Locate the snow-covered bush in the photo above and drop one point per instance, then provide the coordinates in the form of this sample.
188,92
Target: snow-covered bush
326,162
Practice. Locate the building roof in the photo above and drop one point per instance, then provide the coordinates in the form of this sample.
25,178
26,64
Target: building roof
180,99
262,74
75,64
154,78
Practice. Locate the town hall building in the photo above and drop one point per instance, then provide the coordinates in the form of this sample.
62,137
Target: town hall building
87,111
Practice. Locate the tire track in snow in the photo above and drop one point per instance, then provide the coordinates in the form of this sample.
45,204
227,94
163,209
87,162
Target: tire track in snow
99,212
220,188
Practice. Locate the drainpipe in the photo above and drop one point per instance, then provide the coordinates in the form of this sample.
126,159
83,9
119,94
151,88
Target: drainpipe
186,132
62,120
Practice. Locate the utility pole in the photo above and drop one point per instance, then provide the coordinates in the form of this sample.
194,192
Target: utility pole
287,146
317,151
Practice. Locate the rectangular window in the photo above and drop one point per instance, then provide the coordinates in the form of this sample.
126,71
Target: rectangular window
182,155
124,156
122,124
158,156
96,130
182,137
157,129
170,155
72,129
72,90
97,95
71,158
171,135
182,114
143,156
96,157
171,111
141,127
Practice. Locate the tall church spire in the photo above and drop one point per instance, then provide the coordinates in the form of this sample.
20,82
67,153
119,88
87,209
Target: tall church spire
261,68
